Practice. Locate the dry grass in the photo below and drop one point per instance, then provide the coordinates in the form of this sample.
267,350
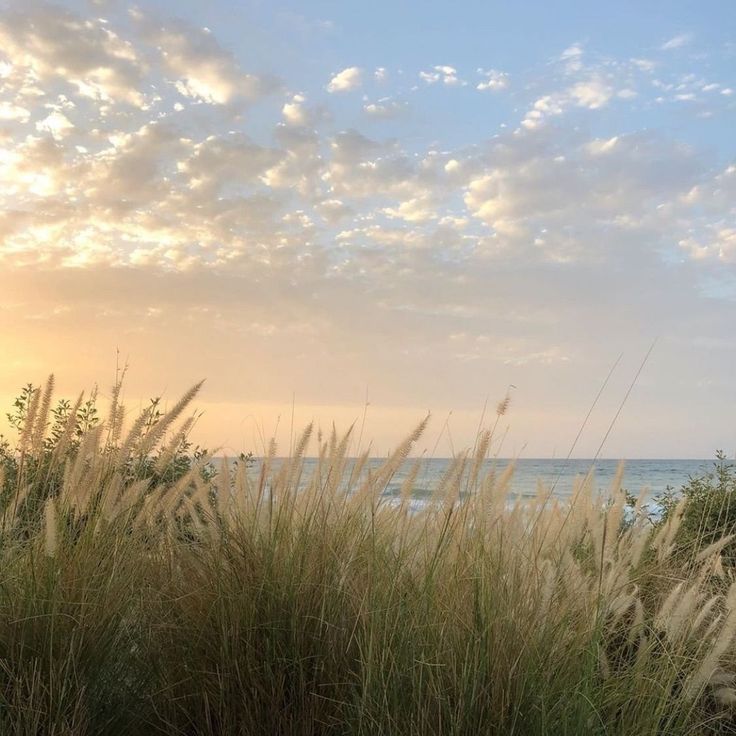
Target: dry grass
274,601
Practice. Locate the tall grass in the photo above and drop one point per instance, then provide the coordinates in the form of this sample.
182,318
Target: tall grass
271,601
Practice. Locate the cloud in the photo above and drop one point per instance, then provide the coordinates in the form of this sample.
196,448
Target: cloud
572,58
589,83
494,81
718,244
202,69
52,45
676,42
444,74
592,94
386,108
9,111
417,209
57,124
294,111
346,80
572,207
137,194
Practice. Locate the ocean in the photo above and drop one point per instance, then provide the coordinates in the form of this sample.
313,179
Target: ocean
651,476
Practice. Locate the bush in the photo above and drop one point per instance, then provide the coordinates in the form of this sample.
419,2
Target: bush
49,439
706,505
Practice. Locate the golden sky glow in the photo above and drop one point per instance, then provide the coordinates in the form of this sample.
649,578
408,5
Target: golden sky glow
165,196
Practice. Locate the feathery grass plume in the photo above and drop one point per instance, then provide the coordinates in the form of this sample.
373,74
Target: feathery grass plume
357,471
165,500
224,482
303,442
634,542
7,502
374,485
715,548
50,527
481,451
19,497
636,629
264,474
663,541
174,444
290,473
409,484
78,484
122,498
116,415
338,461
614,512
119,424
332,444
41,420
711,661
494,490
200,496
133,438
448,489
722,677
151,438
549,583
29,422
704,613
620,605
677,624
604,666
725,696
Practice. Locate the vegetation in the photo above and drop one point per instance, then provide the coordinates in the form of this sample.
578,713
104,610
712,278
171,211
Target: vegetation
710,513
145,590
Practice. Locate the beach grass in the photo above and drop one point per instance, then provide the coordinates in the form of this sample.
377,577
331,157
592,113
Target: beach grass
137,599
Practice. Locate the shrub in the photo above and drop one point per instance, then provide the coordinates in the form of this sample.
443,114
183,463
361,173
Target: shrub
707,505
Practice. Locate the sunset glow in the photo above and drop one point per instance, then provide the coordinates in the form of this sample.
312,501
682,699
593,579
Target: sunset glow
325,225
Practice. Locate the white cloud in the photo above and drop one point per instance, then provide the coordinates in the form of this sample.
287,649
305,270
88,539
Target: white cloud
333,210
9,111
494,80
718,243
572,58
442,73
592,93
676,42
417,209
48,44
385,108
203,70
547,106
57,124
294,111
346,80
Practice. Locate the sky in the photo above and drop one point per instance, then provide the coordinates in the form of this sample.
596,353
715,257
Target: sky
363,212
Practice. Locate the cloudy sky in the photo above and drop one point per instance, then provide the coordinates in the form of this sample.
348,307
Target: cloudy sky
410,205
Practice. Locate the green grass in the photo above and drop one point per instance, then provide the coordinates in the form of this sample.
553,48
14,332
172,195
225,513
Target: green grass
140,600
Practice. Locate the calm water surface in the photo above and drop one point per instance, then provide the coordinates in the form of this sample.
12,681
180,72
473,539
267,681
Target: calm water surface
651,476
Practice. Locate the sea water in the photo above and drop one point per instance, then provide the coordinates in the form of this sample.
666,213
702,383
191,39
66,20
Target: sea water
652,477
